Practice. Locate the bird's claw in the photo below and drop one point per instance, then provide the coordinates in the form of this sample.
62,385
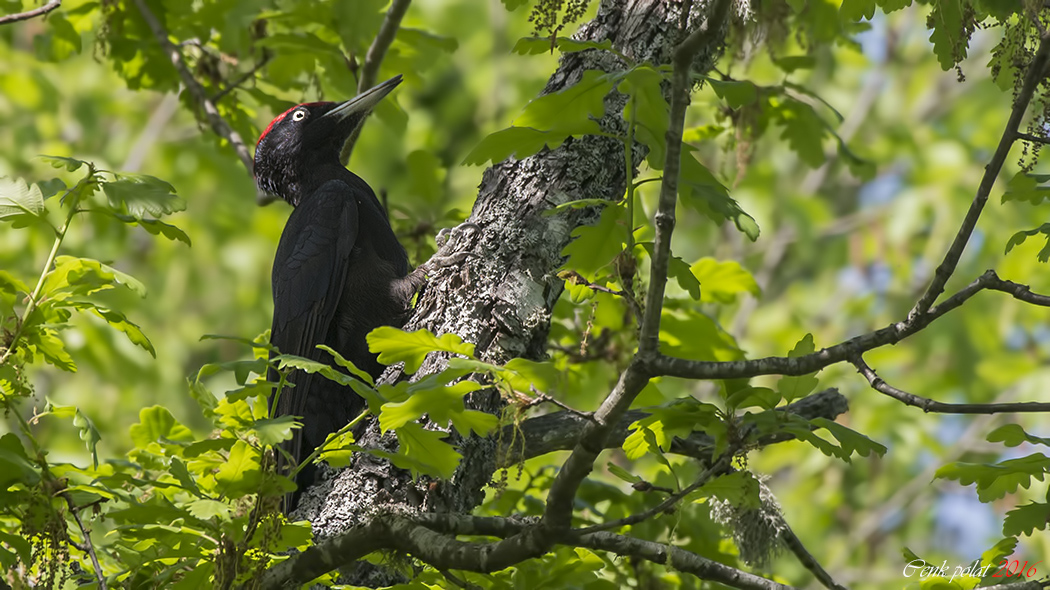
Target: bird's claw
447,240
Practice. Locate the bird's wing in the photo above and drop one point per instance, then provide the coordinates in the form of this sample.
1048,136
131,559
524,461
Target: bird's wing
309,275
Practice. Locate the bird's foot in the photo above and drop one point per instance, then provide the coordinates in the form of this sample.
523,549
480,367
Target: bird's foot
448,241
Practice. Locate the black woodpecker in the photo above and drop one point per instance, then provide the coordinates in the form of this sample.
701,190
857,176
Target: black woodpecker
339,271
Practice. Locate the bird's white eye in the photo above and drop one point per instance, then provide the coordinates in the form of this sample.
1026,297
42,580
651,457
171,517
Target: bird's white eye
299,115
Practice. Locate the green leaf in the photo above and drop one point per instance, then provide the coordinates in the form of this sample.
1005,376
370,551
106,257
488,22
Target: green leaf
995,480
948,37
791,63
540,45
20,204
309,366
89,434
735,93
739,488
793,388
679,270
15,466
73,277
1025,520
804,130
859,167
348,365
117,320
855,10
155,227
394,345
1024,187
23,550
701,191
655,433
426,41
696,336
473,421
652,113
594,247
439,402
1019,238
45,342
424,451
576,204
240,474
64,40
156,423
70,164
301,42
749,397
141,195
622,473
205,509
851,441
338,450
272,431
517,142
1012,435
889,6
570,111
721,282
260,342
242,369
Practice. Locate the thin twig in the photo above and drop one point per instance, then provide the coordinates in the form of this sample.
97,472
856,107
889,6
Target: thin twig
807,560
663,365
13,18
1033,138
373,59
1033,76
664,220
218,124
929,405
558,512
627,293
87,546
539,397
267,56
703,478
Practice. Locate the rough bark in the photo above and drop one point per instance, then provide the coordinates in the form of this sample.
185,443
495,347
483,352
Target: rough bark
501,300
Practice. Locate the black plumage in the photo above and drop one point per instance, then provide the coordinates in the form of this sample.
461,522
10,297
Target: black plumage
339,271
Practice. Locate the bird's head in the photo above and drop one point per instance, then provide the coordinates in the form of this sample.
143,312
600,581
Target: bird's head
300,148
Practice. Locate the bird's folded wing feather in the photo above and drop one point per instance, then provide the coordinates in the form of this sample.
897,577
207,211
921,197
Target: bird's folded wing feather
309,274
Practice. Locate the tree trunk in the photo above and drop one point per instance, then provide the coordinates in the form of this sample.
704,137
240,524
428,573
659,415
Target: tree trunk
501,300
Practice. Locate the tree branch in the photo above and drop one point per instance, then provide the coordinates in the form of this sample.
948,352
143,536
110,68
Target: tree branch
929,405
373,59
218,124
558,513
13,18
88,547
675,558
1033,138
844,351
807,560
559,431
1033,76
267,56
713,471
431,538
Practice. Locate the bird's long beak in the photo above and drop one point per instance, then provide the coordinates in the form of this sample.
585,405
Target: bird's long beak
363,103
